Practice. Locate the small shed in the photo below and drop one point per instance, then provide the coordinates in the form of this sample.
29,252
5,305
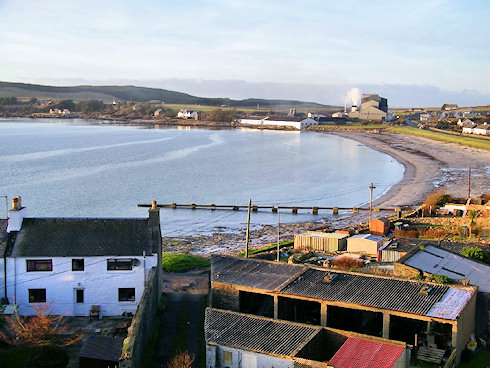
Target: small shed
394,250
379,226
319,241
100,352
364,243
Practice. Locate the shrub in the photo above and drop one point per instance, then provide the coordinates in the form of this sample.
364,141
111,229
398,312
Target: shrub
347,263
181,360
48,357
440,279
477,253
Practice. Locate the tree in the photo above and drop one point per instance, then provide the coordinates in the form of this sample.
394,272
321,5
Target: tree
67,104
42,329
181,360
90,106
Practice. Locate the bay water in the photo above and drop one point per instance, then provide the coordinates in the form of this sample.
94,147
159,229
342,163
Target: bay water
75,168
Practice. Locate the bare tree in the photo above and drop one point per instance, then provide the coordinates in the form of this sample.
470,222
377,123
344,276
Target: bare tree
181,360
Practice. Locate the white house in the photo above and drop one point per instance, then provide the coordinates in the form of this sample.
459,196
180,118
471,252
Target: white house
297,123
184,114
483,129
72,264
469,127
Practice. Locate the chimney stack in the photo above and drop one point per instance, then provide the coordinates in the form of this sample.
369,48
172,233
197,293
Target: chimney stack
16,215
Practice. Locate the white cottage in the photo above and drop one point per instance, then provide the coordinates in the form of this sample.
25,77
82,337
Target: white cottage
74,264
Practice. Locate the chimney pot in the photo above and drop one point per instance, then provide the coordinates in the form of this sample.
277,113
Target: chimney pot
153,205
16,204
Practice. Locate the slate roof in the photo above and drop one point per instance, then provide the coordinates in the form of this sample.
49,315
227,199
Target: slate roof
253,273
257,334
62,237
377,292
102,348
359,353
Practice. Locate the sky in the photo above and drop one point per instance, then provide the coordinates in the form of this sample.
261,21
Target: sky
419,52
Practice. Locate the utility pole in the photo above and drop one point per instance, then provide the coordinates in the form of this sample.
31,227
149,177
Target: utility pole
278,221
248,228
469,182
371,187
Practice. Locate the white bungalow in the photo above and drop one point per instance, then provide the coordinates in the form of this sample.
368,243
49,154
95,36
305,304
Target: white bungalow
297,123
483,129
185,114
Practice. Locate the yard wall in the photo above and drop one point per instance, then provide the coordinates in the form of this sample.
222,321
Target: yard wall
140,328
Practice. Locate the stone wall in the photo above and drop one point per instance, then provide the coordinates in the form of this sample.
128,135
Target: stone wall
402,270
139,331
224,296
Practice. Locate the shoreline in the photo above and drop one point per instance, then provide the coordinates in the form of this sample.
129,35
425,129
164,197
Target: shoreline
428,165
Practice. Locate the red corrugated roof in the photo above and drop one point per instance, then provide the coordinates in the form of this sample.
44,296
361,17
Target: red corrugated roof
359,353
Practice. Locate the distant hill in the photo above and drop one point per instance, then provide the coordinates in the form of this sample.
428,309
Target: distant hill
136,94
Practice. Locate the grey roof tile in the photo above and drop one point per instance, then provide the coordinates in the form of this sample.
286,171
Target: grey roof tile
64,237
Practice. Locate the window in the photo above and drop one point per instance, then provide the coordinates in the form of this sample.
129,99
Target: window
39,265
77,265
37,295
126,294
119,264
79,295
227,357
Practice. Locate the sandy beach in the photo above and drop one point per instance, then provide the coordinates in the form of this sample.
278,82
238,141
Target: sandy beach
428,164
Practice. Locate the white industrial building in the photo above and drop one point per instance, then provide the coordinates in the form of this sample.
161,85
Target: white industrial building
71,265
297,123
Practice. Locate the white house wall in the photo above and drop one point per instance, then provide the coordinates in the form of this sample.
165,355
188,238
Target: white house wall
244,359
99,284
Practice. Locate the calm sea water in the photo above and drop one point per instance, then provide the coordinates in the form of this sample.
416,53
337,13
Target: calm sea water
72,168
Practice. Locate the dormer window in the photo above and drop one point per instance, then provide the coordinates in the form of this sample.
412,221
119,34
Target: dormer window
119,264
39,265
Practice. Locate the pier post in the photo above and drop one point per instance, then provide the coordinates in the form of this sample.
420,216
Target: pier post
355,210
335,210
315,210
235,208
376,209
274,209
213,207
193,206
294,210
255,208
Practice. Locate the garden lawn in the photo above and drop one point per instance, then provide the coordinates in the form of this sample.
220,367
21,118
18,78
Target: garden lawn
176,262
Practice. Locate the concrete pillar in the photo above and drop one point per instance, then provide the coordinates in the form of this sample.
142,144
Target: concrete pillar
323,314
276,307
295,210
315,210
274,209
335,211
213,207
386,325
355,210
193,206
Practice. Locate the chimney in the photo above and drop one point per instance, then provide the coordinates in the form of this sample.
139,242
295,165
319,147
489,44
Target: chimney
16,215
154,215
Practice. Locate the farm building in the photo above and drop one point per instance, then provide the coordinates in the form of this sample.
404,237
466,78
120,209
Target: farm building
399,309
289,121
320,241
242,340
364,243
379,226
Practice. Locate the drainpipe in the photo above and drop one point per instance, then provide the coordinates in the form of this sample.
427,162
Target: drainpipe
15,281
144,269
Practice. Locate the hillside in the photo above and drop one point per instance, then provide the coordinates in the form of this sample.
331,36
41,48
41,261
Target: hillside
136,94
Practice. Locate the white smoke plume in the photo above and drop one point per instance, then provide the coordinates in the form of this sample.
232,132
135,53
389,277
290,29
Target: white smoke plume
353,96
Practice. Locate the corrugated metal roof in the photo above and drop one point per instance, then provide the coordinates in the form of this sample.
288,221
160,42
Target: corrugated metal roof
320,234
384,293
359,353
253,273
257,334
372,237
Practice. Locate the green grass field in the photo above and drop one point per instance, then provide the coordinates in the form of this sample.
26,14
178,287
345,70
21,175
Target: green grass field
176,262
266,248
461,140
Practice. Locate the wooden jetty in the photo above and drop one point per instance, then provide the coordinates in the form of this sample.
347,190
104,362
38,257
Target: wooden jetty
254,208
